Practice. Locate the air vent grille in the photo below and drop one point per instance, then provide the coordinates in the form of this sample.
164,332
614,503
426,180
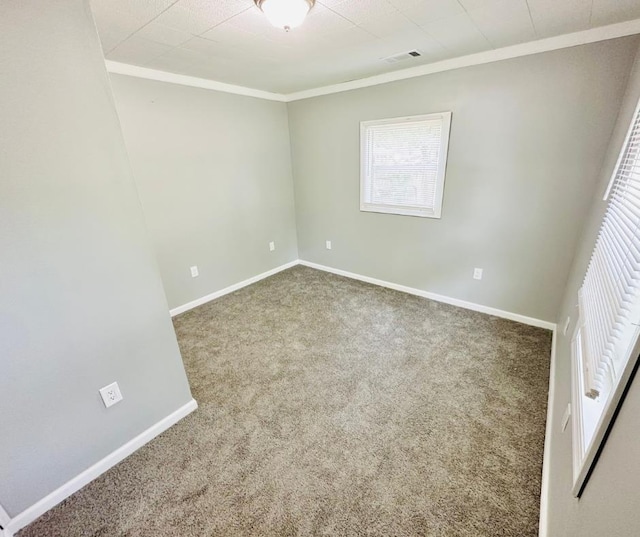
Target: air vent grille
403,56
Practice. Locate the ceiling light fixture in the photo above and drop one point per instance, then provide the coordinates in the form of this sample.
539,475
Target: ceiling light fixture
285,14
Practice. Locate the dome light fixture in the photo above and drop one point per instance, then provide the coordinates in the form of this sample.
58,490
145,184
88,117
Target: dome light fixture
285,14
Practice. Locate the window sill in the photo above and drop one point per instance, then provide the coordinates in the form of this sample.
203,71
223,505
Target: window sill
401,211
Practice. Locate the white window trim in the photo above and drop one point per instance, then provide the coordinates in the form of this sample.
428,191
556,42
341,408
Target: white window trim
584,457
444,151
621,155
577,392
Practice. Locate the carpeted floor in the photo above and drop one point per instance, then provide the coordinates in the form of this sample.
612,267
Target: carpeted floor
334,407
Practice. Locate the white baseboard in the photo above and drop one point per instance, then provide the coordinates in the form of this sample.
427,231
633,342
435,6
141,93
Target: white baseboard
212,296
543,527
39,508
6,533
412,291
4,519
438,298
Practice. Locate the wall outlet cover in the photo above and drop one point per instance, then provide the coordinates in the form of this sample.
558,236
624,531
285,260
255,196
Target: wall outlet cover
194,271
328,245
111,394
477,273
272,246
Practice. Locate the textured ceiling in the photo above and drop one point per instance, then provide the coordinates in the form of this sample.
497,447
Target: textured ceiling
341,40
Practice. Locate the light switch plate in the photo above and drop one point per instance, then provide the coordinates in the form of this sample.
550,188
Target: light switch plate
111,394
194,271
272,246
477,273
328,245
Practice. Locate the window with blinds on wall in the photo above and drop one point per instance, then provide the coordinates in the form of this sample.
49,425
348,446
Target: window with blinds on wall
605,342
403,163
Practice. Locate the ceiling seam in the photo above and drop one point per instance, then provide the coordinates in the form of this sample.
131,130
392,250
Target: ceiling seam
222,22
192,35
533,24
341,16
491,44
143,26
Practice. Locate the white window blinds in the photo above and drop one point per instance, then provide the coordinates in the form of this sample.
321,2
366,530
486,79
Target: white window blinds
609,299
403,164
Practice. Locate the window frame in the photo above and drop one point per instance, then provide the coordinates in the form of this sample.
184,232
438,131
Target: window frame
404,210
585,454
585,457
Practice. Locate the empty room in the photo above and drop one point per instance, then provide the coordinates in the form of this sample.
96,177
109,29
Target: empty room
319,267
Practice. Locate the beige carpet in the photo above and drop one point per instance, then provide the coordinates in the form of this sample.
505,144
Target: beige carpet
333,407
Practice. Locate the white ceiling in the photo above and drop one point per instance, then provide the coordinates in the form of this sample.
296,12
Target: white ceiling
231,41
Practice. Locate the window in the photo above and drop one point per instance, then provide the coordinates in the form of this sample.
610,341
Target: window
402,164
605,343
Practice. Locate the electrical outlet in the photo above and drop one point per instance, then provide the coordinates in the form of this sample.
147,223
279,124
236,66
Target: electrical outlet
194,272
328,245
477,273
111,394
272,246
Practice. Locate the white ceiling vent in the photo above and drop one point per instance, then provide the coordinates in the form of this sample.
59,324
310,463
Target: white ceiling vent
403,56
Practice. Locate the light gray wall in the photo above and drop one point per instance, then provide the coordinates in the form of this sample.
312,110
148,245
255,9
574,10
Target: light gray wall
527,140
214,175
81,300
609,504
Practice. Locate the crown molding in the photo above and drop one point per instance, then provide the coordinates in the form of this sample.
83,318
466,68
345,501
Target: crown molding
593,35
601,33
193,81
